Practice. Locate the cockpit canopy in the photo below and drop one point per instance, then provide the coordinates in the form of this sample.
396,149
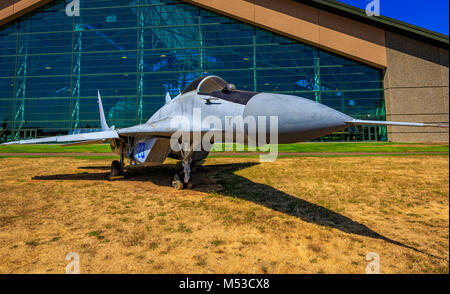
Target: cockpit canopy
206,85
216,87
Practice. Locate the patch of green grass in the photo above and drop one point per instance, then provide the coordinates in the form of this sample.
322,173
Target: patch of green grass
96,234
93,157
183,228
343,147
200,260
97,157
217,242
297,147
32,243
215,155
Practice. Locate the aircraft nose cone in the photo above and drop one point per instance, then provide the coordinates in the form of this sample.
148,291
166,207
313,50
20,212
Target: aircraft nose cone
299,119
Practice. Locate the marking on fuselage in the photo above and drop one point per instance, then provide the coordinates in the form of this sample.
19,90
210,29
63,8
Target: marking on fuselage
141,152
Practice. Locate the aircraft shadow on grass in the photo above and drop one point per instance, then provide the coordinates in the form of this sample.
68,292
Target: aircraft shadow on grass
231,184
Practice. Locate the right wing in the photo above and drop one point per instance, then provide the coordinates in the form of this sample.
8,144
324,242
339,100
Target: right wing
356,122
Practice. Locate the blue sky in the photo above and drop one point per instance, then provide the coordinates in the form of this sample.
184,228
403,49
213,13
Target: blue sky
429,14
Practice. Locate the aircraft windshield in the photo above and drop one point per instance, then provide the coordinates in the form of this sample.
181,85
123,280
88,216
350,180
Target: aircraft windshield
193,86
212,84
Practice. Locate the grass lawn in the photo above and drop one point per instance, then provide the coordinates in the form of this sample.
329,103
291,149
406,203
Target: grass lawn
294,215
346,147
300,147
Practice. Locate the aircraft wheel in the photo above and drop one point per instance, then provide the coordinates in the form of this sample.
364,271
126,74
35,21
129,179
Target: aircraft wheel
177,183
115,169
189,184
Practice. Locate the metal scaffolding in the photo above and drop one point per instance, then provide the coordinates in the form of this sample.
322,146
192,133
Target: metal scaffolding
21,80
164,22
381,115
76,74
317,84
140,93
255,80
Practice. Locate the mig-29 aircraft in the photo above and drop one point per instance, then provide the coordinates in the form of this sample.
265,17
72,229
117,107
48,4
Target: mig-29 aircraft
299,120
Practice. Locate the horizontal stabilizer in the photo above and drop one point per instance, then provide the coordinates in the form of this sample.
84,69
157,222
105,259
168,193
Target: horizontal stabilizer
90,142
356,122
94,136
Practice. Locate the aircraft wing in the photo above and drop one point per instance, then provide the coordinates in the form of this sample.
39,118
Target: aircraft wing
161,130
104,135
356,122
164,127
87,138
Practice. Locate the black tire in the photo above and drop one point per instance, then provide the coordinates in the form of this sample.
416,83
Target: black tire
177,183
189,185
116,169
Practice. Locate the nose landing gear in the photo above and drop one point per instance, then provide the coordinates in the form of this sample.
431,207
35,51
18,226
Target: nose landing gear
180,184
183,179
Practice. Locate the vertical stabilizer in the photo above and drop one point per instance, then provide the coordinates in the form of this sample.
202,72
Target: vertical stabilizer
168,98
102,114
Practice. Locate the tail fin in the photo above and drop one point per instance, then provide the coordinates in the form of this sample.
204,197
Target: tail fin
356,122
102,114
168,99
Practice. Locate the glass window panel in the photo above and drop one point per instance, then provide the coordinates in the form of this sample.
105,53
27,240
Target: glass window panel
134,51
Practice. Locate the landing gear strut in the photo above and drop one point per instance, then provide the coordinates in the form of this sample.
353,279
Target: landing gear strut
183,179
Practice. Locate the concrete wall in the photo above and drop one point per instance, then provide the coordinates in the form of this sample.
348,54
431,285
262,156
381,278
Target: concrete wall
416,85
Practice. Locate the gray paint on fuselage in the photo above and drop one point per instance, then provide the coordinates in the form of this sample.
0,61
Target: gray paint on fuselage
299,119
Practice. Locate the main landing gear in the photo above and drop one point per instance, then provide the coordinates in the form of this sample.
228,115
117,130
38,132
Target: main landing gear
117,168
183,179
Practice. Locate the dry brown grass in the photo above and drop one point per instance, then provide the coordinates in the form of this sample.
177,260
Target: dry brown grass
295,215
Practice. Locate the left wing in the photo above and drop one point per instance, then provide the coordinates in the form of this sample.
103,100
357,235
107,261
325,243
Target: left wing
89,138
104,135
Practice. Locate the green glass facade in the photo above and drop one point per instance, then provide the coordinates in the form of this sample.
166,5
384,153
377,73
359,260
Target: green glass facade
51,66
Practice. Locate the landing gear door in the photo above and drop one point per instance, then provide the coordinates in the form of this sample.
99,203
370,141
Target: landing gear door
151,150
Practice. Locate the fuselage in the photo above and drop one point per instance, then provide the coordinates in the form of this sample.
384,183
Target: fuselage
299,119
209,104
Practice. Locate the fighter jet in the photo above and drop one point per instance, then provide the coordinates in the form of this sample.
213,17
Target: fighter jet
298,120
